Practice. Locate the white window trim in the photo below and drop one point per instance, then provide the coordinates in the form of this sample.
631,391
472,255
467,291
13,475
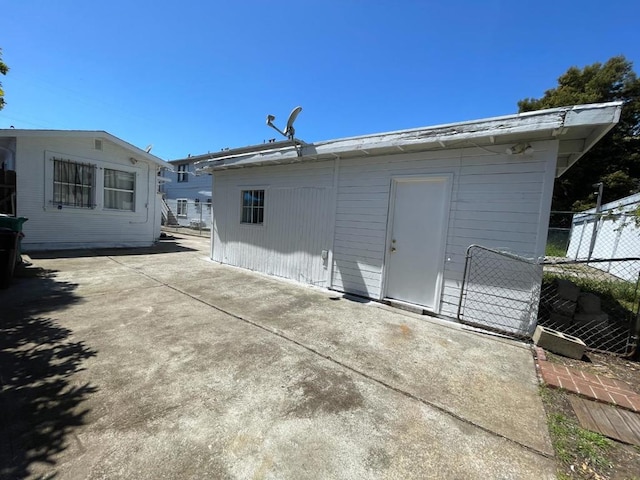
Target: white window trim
49,205
111,189
245,188
186,209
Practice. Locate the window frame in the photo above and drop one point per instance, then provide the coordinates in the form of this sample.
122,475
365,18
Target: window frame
256,212
183,173
57,183
185,202
105,189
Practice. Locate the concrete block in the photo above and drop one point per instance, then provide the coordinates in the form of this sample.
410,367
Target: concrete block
558,320
591,319
589,303
558,342
564,307
567,290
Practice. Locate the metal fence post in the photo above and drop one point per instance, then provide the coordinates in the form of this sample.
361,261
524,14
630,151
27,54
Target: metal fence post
467,259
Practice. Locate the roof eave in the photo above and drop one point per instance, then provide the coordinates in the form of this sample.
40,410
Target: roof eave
86,134
597,118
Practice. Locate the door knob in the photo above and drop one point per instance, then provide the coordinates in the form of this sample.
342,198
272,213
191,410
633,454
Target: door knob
393,249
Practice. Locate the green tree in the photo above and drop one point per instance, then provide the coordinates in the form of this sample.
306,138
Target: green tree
3,70
615,160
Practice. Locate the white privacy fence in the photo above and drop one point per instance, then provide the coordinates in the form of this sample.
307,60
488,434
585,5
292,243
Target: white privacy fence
609,235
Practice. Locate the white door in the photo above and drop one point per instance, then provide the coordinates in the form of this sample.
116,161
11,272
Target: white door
416,244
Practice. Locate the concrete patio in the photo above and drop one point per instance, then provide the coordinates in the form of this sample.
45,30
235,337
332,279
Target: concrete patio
158,363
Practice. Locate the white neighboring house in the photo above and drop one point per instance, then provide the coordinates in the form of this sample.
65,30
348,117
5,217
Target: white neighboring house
187,194
390,216
82,189
617,236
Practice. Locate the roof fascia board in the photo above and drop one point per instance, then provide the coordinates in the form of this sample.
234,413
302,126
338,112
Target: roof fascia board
605,114
237,151
85,134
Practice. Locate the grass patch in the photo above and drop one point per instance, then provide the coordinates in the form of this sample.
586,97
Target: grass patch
557,243
580,453
575,445
614,294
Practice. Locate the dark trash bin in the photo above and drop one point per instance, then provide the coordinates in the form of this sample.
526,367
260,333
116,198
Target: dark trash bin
15,224
8,255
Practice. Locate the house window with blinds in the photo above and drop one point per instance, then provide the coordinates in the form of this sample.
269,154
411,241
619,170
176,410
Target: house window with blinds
119,190
73,183
252,207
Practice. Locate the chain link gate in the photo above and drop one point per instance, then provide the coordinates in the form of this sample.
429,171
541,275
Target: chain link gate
500,292
596,300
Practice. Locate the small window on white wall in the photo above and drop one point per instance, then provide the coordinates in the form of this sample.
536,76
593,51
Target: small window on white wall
119,190
181,209
252,207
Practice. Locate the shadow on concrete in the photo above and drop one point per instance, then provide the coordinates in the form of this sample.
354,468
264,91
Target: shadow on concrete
352,298
40,406
165,245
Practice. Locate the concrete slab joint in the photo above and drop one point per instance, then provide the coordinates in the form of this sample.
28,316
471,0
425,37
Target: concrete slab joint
200,370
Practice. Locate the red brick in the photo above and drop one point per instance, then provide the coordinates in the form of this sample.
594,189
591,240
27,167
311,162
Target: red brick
551,379
547,369
617,386
582,388
609,382
591,378
561,369
621,391
566,384
601,394
568,378
635,403
621,400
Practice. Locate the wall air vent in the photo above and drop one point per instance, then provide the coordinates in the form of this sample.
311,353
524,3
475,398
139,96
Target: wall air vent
97,144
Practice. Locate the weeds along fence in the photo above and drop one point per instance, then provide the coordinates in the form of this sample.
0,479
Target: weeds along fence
509,294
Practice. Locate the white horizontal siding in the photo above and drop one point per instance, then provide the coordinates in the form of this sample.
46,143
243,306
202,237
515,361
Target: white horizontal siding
51,228
496,202
297,221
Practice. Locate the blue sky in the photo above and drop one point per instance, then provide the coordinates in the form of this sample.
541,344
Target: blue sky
197,76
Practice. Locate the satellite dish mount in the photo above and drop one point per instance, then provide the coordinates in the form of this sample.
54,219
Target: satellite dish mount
289,131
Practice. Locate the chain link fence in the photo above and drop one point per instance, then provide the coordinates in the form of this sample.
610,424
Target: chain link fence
581,298
591,274
587,285
187,216
500,292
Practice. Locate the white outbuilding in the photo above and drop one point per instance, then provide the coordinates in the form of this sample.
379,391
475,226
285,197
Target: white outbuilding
79,189
390,215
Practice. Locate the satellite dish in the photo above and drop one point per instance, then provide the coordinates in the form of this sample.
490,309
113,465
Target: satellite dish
289,132
149,147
